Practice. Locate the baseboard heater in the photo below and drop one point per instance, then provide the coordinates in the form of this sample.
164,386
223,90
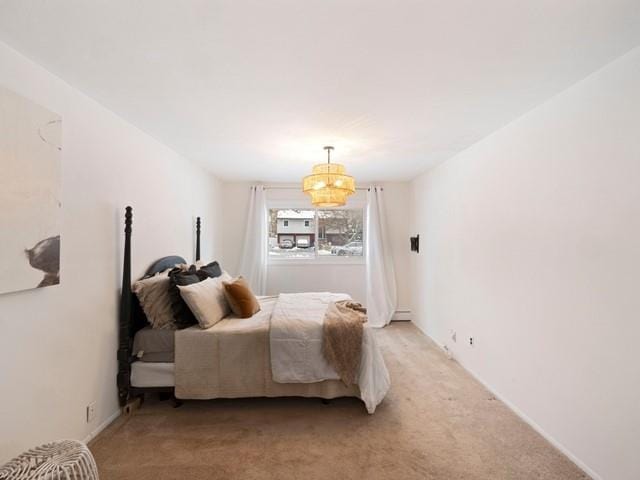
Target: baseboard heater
401,316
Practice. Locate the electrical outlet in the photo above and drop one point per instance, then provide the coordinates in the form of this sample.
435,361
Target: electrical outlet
91,412
471,341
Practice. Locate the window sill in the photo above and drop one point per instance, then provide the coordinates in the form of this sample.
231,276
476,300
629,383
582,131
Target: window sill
281,262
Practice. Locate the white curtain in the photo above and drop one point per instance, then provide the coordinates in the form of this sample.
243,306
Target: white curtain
253,264
381,281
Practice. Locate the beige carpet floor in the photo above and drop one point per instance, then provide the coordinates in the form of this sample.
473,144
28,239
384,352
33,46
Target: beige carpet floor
437,422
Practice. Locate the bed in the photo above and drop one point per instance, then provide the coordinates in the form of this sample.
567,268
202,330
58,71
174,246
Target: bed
232,359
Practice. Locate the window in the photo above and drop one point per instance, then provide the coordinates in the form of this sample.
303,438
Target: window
311,234
341,232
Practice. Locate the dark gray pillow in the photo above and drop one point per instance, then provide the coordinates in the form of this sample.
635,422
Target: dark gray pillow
211,270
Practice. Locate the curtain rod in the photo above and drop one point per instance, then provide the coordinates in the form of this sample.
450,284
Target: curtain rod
277,187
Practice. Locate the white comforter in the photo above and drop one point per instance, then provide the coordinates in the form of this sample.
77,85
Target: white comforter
296,347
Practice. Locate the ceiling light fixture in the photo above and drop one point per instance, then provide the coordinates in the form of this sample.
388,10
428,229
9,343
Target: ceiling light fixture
328,185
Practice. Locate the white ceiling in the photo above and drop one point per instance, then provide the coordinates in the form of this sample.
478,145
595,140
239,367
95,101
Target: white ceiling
254,89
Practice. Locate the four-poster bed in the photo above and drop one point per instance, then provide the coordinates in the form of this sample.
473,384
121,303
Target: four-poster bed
132,319
237,357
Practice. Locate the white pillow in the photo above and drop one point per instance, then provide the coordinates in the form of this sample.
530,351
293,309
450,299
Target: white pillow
206,300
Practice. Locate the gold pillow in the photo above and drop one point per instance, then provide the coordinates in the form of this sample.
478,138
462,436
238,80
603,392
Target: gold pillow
241,299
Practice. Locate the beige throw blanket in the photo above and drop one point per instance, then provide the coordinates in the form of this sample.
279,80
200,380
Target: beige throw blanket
342,338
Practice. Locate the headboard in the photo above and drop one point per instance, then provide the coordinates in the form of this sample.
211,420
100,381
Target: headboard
132,317
163,263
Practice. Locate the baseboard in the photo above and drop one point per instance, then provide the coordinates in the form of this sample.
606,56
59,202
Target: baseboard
102,426
524,417
401,316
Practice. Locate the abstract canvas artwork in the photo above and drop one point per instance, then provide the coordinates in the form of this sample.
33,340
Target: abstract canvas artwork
30,206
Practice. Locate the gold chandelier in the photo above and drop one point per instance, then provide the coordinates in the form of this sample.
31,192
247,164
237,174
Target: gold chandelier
328,185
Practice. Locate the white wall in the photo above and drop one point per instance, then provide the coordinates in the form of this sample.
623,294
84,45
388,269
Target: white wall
531,243
58,344
298,277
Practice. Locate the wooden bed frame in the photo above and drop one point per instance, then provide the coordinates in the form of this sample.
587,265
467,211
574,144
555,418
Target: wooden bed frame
132,318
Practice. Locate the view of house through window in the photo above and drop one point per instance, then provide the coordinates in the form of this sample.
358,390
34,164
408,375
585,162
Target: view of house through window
298,233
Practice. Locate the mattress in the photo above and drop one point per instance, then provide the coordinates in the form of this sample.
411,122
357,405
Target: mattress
152,374
154,345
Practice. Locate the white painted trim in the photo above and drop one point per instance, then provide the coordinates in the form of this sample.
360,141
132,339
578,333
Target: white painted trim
319,260
401,316
523,416
102,426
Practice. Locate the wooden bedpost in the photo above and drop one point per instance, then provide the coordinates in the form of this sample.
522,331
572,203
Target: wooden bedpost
124,330
198,223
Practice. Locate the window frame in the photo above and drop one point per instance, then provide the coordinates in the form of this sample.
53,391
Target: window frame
320,259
